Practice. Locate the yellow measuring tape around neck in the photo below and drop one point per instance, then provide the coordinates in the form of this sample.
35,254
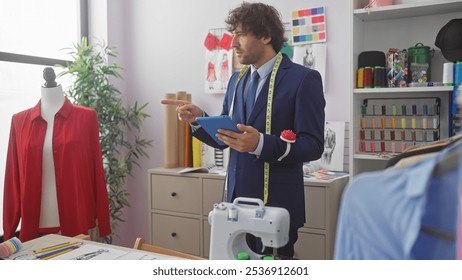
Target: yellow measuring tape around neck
269,106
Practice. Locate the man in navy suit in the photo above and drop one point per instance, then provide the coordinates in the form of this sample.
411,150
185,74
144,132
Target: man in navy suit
289,98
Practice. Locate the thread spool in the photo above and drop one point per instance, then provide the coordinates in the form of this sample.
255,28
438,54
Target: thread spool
435,135
435,123
372,144
403,123
10,247
458,74
362,134
363,114
424,119
363,122
362,146
368,77
379,77
403,135
360,78
448,74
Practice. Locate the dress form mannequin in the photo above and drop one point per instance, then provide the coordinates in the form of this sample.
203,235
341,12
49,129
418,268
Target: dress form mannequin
52,99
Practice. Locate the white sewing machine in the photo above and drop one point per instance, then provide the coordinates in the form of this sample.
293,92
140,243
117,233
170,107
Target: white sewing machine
232,221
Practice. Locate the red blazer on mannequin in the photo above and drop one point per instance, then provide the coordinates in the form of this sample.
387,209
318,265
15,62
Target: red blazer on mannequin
80,182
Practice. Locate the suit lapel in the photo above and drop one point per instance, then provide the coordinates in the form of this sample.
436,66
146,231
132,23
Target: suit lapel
260,103
239,108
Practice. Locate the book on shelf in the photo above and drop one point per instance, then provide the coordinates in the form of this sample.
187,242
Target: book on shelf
211,169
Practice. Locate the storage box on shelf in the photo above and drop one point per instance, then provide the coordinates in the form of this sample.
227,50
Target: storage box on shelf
399,26
180,203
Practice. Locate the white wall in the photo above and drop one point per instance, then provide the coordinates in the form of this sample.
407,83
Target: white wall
162,43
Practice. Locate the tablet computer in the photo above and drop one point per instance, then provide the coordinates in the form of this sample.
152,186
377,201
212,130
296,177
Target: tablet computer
212,124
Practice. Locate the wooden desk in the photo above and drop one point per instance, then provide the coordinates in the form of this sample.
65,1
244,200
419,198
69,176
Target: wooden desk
88,250
179,205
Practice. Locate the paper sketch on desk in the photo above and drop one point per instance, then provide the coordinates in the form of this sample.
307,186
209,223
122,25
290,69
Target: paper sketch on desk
147,256
92,252
325,175
211,169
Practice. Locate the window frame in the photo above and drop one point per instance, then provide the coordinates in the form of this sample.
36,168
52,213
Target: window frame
46,61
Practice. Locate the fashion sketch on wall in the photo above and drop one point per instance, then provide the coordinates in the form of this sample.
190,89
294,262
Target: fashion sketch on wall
334,145
312,56
219,67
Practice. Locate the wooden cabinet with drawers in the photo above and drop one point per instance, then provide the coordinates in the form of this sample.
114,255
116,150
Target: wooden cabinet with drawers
180,204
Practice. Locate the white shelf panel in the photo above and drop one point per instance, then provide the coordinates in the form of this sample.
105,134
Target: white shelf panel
404,90
409,10
372,157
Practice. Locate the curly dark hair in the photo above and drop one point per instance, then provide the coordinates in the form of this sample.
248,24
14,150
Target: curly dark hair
260,19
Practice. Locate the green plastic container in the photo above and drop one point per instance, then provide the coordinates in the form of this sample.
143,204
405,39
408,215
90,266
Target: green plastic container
419,60
243,256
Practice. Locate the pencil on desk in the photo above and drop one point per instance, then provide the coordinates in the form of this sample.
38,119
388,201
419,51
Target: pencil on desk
54,247
55,251
57,254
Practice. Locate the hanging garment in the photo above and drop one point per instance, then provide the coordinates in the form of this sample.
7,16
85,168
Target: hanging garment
401,213
80,182
423,150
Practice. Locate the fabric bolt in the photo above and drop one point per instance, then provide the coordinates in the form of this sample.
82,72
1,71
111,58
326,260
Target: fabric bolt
394,214
80,182
251,94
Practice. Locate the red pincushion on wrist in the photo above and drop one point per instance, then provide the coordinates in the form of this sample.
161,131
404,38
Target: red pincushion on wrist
288,136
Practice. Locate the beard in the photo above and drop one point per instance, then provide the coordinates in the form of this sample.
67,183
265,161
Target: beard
244,59
249,56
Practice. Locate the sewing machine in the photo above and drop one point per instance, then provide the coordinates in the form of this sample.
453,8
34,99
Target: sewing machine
232,221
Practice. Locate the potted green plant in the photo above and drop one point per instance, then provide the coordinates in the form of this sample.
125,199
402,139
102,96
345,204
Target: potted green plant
120,125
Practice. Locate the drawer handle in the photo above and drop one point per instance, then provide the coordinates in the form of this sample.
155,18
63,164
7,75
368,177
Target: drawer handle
173,234
173,194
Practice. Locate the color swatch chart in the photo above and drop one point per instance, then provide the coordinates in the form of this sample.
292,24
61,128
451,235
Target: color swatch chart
308,26
394,124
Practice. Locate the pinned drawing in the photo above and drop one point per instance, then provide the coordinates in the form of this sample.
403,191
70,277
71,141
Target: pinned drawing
313,56
334,143
219,60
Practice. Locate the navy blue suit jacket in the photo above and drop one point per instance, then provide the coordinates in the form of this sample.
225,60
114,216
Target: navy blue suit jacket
298,105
